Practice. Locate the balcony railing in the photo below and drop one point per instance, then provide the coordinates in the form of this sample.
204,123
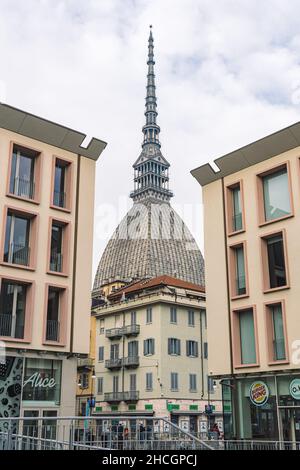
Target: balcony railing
52,331
117,397
131,361
17,254
113,363
59,199
22,187
131,396
131,330
113,397
7,329
56,261
114,333
86,362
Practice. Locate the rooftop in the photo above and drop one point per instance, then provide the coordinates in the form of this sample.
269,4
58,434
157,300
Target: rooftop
256,152
51,133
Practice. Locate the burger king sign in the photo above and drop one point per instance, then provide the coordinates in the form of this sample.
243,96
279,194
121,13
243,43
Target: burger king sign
259,393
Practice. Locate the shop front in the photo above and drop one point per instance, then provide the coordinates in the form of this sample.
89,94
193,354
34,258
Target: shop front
262,407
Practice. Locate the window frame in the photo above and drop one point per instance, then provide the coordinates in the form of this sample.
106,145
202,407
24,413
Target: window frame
36,176
232,270
173,310
66,247
260,193
270,332
265,262
63,314
229,207
236,339
68,184
175,374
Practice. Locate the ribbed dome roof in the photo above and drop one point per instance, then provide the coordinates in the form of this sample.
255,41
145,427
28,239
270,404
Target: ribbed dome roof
152,240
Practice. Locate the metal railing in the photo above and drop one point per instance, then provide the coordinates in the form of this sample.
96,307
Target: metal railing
131,330
59,198
56,261
113,363
96,433
85,362
114,333
253,445
17,254
7,329
22,187
52,330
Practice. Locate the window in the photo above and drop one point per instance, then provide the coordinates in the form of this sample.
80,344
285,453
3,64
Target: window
133,348
174,381
102,329
48,370
192,348
203,318
174,346
101,353
191,318
149,381
193,382
133,318
173,315
23,172
276,194
238,272
55,322
100,386
132,382
17,238
205,350
61,191
115,384
149,347
114,351
149,315
276,334
12,309
84,380
246,333
274,258
210,385
235,221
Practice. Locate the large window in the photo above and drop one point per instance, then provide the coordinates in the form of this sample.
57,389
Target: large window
173,315
42,380
275,259
149,381
174,381
247,337
149,315
60,184
12,309
238,271
235,221
191,318
276,194
17,235
192,348
58,248
193,382
22,172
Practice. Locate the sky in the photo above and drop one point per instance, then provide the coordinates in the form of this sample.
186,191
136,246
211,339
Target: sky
227,73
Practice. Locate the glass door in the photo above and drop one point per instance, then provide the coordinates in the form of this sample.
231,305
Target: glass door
290,422
30,430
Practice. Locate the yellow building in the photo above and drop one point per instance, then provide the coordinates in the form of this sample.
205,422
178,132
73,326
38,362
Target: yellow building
251,232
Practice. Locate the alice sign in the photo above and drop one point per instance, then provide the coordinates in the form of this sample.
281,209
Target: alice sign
295,389
37,381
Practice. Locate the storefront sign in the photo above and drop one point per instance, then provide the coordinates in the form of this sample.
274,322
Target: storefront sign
295,389
36,380
259,393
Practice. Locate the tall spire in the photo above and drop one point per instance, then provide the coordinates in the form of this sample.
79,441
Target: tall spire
151,130
151,170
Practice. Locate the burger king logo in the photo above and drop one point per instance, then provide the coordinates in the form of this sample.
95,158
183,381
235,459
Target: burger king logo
259,393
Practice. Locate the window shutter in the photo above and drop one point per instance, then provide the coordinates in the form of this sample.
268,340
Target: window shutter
178,347
196,349
187,348
169,346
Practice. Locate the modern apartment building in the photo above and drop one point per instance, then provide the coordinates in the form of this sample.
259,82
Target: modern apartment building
151,355
251,227
46,238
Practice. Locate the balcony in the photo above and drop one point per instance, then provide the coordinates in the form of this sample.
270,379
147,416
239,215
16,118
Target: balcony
131,361
114,333
131,396
7,328
87,362
113,364
17,254
131,330
52,330
113,397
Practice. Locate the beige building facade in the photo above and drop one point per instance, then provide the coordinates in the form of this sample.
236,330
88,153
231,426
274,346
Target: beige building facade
251,229
46,239
151,355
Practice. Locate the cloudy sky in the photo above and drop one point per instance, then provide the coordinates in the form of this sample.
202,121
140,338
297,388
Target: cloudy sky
228,72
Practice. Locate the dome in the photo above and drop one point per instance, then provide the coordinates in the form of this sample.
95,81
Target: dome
151,240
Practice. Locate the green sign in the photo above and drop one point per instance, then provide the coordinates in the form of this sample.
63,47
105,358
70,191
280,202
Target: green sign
172,406
148,407
131,407
193,407
98,408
